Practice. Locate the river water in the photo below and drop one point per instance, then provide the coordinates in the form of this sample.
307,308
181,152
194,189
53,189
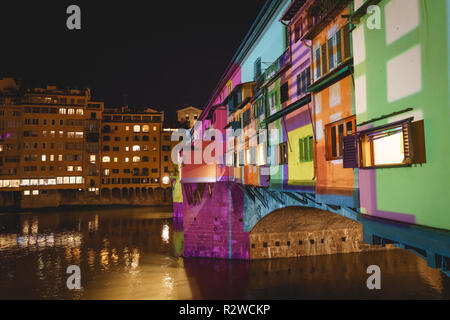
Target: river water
134,253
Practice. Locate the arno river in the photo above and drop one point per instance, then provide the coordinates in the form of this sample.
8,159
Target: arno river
134,253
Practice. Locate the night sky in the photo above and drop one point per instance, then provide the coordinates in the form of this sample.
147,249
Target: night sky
162,54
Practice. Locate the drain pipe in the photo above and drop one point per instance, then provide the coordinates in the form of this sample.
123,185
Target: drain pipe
313,115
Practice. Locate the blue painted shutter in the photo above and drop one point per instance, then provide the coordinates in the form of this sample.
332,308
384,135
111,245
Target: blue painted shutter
351,151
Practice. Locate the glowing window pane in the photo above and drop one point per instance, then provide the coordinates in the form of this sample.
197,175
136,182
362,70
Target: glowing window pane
389,150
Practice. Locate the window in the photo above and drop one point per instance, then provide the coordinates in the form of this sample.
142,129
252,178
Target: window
136,159
335,133
284,92
298,30
306,149
273,100
137,128
303,81
398,144
145,128
229,87
317,63
333,52
283,154
257,69
106,159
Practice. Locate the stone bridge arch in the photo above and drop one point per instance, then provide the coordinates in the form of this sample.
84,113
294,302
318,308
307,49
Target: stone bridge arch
259,202
296,231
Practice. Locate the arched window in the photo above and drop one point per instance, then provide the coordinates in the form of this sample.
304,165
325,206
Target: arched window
137,128
106,159
136,148
136,159
145,128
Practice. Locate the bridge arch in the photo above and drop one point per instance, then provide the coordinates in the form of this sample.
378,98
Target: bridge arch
295,231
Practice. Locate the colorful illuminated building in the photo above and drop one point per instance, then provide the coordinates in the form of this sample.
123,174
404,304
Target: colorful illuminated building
333,105
401,58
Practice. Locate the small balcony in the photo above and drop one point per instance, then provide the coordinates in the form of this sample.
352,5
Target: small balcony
276,68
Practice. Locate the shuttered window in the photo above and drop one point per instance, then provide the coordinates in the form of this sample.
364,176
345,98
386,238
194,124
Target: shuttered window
257,69
284,92
335,134
396,145
306,149
318,64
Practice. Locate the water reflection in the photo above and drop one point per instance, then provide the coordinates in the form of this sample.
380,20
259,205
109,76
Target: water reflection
136,254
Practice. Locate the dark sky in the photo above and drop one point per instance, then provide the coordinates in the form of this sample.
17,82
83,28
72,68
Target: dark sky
164,54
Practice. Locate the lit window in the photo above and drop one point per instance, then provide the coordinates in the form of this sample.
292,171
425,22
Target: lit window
79,168
79,180
79,135
155,128
145,128
66,180
61,134
44,133
44,158
80,112
127,128
71,135
127,159
35,192
60,157
106,159
136,148
52,134
116,159
106,172
136,159
62,111
165,180
70,168
70,111
92,158
52,157
26,193
137,128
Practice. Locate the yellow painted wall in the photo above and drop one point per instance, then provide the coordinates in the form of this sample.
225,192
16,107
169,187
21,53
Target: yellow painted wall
299,172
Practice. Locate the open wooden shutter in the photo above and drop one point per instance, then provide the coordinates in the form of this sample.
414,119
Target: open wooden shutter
407,142
351,151
417,139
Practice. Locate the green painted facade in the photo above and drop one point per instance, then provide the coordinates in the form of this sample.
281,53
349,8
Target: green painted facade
411,52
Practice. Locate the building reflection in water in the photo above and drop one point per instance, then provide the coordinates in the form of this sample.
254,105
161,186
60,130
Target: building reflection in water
134,254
